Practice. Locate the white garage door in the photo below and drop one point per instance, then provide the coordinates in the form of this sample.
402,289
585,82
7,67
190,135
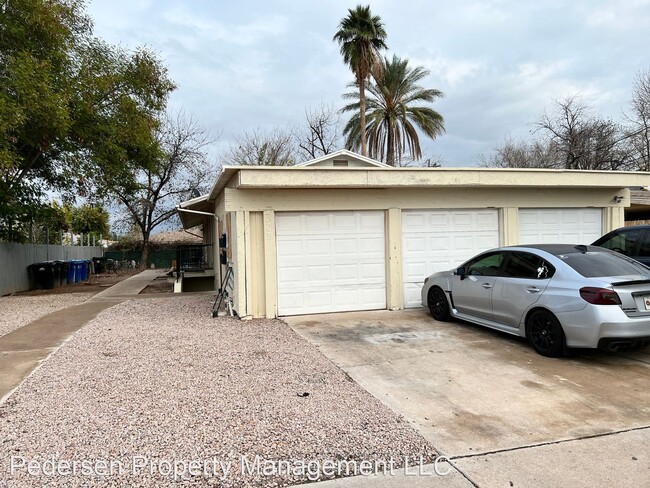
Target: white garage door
560,226
438,240
330,262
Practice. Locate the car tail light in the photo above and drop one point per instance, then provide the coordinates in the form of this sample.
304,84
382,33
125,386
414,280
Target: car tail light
599,296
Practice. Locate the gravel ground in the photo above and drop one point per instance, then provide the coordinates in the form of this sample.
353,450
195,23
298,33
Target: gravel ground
161,384
16,311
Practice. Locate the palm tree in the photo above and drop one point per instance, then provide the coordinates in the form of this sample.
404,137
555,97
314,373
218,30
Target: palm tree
393,119
361,35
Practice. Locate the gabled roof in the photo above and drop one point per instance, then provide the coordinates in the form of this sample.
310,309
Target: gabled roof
344,153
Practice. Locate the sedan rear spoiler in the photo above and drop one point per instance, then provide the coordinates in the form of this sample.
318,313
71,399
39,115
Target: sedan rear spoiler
631,283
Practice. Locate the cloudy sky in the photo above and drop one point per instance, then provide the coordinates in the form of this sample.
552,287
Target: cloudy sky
244,65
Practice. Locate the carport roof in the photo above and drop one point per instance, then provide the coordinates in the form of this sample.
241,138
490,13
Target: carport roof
192,212
324,177
295,177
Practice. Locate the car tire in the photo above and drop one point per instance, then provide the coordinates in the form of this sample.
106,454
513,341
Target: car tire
545,334
438,304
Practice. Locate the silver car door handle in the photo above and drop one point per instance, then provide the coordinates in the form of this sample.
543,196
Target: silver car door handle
486,286
532,289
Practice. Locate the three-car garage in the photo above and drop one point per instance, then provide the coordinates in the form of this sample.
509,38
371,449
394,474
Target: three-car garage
318,238
336,261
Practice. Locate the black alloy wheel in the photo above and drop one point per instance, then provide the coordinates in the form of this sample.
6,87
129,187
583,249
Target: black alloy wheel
545,333
438,305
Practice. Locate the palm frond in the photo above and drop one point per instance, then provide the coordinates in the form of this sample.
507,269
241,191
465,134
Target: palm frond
394,114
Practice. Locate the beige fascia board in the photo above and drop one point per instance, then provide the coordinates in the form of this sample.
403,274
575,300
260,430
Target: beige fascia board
281,200
283,177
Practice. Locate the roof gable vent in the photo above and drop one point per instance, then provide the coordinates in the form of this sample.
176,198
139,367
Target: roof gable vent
339,163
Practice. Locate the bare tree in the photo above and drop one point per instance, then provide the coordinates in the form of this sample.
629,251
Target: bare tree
321,134
519,153
433,161
181,171
639,119
259,148
582,140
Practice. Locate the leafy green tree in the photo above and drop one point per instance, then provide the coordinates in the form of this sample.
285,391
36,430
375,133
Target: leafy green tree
361,36
89,220
394,114
72,108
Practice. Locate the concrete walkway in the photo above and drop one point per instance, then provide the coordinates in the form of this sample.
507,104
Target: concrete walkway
22,350
130,287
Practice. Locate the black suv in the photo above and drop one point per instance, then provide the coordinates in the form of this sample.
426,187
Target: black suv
630,241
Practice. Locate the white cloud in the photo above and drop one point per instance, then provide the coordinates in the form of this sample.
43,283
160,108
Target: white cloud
451,71
246,34
619,15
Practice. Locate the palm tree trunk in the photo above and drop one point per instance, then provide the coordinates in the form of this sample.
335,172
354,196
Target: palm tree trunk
362,108
390,150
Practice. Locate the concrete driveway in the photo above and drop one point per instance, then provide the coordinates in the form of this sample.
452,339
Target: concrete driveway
489,402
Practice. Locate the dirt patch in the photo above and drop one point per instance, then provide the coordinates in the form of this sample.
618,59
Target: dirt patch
95,284
158,287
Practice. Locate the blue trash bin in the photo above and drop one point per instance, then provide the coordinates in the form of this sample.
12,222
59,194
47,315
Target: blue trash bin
77,270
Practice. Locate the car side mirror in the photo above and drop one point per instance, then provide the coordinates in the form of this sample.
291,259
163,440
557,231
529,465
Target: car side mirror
461,272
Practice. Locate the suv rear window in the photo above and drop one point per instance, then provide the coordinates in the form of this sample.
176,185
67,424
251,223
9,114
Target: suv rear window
594,264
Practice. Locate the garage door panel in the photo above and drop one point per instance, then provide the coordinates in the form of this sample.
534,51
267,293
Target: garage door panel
372,221
343,246
416,244
559,226
413,220
373,246
290,274
374,295
315,222
341,255
372,272
290,249
344,221
345,273
317,248
412,295
438,240
291,223
319,274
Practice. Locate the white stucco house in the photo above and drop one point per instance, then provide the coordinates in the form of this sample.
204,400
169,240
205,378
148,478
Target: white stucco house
344,232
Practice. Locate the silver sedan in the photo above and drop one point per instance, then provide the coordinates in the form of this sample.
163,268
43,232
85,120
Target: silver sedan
555,295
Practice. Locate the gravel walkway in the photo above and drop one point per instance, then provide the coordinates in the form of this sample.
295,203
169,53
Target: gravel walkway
157,384
16,311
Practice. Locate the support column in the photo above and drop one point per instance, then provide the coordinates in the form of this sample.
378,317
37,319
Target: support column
270,265
613,218
239,258
216,251
394,278
509,220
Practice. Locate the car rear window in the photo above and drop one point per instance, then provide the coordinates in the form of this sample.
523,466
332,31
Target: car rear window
594,264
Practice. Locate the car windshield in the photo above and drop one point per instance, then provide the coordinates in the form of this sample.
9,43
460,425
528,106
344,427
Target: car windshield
594,264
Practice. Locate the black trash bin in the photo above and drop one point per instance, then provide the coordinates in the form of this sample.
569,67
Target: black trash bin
64,269
100,264
57,272
43,275
33,279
